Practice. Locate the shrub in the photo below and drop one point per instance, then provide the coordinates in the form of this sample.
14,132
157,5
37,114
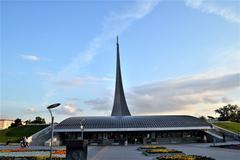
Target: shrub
162,151
184,157
150,147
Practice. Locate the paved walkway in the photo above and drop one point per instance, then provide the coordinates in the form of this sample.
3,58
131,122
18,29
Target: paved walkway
131,153
116,153
206,150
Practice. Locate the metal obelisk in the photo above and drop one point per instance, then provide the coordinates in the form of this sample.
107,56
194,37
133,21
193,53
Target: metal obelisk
120,107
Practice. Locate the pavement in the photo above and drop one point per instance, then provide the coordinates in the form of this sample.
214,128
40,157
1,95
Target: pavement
130,152
116,153
205,150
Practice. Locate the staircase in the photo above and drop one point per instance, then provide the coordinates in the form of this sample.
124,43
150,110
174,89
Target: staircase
215,134
228,134
220,134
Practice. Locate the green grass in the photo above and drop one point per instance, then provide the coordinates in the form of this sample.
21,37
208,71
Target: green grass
16,133
232,126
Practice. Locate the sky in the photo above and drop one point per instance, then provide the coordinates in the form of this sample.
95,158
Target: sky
178,57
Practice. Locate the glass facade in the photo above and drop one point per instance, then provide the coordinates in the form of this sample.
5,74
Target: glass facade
148,137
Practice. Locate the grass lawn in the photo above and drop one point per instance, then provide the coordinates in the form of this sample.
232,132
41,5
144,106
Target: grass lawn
16,133
232,126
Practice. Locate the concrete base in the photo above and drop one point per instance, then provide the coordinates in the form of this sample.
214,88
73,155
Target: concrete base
76,149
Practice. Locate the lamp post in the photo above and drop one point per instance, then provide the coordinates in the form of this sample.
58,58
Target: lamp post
82,127
52,127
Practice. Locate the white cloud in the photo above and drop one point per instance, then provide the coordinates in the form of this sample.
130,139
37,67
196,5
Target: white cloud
78,81
186,95
31,110
72,82
30,57
225,61
226,100
69,83
68,108
113,25
197,94
213,8
100,104
183,93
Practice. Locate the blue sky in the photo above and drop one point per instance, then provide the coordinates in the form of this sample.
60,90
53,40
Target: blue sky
177,57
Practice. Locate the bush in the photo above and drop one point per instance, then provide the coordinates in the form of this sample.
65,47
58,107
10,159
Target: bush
162,151
17,123
184,157
149,147
38,120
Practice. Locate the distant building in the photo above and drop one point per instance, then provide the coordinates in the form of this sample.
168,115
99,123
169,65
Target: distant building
5,123
122,127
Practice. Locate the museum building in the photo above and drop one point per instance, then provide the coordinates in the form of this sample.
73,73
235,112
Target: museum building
122,127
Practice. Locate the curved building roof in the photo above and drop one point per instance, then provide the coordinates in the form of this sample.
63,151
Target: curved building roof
131,123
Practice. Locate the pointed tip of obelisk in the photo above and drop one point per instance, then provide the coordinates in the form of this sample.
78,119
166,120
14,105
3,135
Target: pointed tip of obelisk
120,107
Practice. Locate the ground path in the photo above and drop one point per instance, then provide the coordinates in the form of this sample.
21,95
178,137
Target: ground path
116,153
131,153
205,150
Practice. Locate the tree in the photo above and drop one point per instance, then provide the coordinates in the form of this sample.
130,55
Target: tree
27,122
16,123
210,117
235,116
203,118
238,116
228,113
38,120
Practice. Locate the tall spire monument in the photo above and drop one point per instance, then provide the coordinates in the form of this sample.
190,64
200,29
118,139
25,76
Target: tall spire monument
120,107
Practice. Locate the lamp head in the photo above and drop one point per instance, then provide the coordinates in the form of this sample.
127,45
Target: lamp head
53,105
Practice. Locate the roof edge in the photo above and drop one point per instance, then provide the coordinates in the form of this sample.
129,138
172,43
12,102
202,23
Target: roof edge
134,129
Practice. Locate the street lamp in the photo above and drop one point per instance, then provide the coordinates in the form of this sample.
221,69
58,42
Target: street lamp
52,127
82,127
